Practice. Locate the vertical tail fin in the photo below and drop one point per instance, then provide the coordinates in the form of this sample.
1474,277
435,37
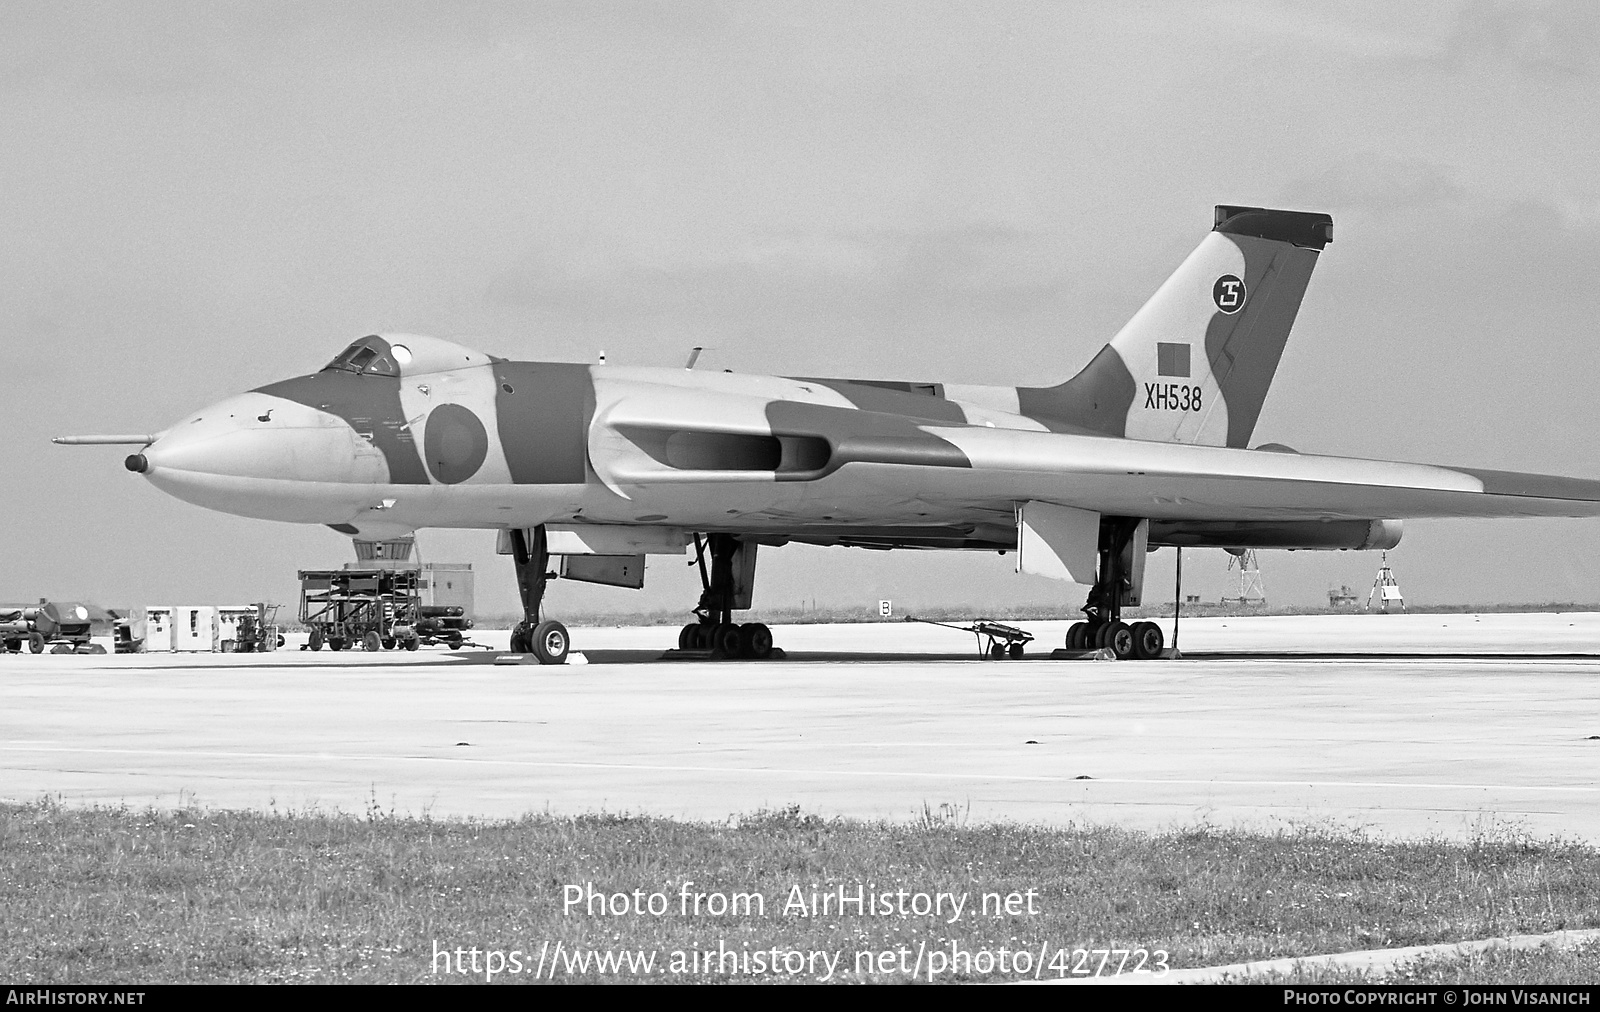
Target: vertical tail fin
1195,362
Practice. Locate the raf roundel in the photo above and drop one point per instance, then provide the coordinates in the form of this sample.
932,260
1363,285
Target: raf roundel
455,443
1228,294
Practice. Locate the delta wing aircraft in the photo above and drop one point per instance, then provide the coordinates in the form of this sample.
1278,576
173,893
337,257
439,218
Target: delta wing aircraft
594,467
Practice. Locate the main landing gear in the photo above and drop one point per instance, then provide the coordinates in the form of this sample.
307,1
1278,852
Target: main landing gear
727,587
545,639
1119,576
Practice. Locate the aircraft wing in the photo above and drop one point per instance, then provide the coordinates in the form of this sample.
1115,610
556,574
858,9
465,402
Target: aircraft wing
864,454
1176,481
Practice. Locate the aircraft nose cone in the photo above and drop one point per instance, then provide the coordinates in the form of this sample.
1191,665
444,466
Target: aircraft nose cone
263,456
259,437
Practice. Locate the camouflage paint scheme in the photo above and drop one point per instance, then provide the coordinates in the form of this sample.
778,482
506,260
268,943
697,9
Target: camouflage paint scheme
403,432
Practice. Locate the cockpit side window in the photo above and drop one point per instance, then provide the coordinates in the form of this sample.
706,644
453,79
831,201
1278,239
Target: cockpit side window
370,355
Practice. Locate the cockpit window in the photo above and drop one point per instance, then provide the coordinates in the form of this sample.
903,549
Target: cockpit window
370,355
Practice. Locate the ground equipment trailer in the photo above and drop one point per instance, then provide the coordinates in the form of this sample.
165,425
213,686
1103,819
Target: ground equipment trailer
63,627
376,609
443,623
996,640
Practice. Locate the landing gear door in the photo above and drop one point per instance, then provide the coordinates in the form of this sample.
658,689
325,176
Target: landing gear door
610,570
744,576
1133,554
1060,542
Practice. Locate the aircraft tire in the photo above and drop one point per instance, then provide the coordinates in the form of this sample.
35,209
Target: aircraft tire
755,639
372,642
725,640
36,643
1015,651
1119,640
551,642
1147,640
686,636
317,638
1075,635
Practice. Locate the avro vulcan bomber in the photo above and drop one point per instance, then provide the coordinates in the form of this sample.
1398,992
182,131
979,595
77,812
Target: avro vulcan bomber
601,465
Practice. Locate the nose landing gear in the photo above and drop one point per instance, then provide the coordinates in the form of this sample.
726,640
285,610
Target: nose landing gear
546,639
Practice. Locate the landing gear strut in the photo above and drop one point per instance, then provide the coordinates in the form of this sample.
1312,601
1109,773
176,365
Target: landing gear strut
1118,579
546,640
726,587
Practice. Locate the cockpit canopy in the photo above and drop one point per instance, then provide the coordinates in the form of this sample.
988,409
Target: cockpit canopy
396,355
371,355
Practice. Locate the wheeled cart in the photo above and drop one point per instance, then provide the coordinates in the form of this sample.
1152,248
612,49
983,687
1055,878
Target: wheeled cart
376,609
996,640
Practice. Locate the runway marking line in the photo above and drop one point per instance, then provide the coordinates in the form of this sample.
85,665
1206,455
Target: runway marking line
552,764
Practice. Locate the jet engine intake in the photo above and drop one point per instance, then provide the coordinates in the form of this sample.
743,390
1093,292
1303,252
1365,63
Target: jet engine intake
699,450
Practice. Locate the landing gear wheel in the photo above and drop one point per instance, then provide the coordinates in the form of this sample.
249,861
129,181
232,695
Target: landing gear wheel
550,642
317,638
686,636
1119,640
335,643
1147,640
372,642
725,640
1015,651
36,643
1076,636
756,639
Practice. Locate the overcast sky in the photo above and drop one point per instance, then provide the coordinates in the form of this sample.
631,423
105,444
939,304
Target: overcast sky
196,199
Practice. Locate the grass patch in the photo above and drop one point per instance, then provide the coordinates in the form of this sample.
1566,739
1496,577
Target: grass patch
114,895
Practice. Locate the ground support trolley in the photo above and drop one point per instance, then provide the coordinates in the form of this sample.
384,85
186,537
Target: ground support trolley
996,640
376,609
